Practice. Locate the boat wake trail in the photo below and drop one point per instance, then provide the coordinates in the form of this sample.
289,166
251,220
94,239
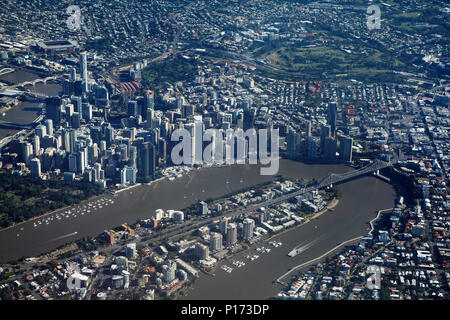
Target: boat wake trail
64,236
301,248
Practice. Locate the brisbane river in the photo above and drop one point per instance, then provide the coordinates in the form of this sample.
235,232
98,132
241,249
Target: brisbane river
26,111
360,199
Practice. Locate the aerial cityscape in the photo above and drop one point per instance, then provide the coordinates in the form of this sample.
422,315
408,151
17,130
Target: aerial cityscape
224,150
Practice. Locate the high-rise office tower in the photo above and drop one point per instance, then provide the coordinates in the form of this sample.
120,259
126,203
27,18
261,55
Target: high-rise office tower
73,74
36,145
150,100
345,148
311,148
27,153
130,250
330,148
81,164
132,108
308,128
75,120
198,144
73,163
150,115
101,96
83,71
53,109
76,101
109,135
49,127
325,132
190,127
86,111
146,159
72,139
331,117
69,108
35,168
41,131
249,118
132,161
93,153
66,140
293,144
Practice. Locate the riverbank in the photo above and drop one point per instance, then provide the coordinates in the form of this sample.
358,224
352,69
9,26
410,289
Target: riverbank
332,205
279,280
52,212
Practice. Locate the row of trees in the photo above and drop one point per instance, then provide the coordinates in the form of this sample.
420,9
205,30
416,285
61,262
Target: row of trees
22,198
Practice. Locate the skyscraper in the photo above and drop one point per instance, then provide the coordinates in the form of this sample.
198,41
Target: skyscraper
36,145
169,270
308,128
345,148
53,109
101,96
81,161
86,111
41,131
49,127
27,152
75,120
201,251
130,250
73,163
72,140
35,168
198,127
249,117
248,226
330,148
293,144
223,225
231,234
83,71
132,160
150,100
190,157
312,148
331,117
73,74
109,135
325,132
132,108
146,163
216,241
